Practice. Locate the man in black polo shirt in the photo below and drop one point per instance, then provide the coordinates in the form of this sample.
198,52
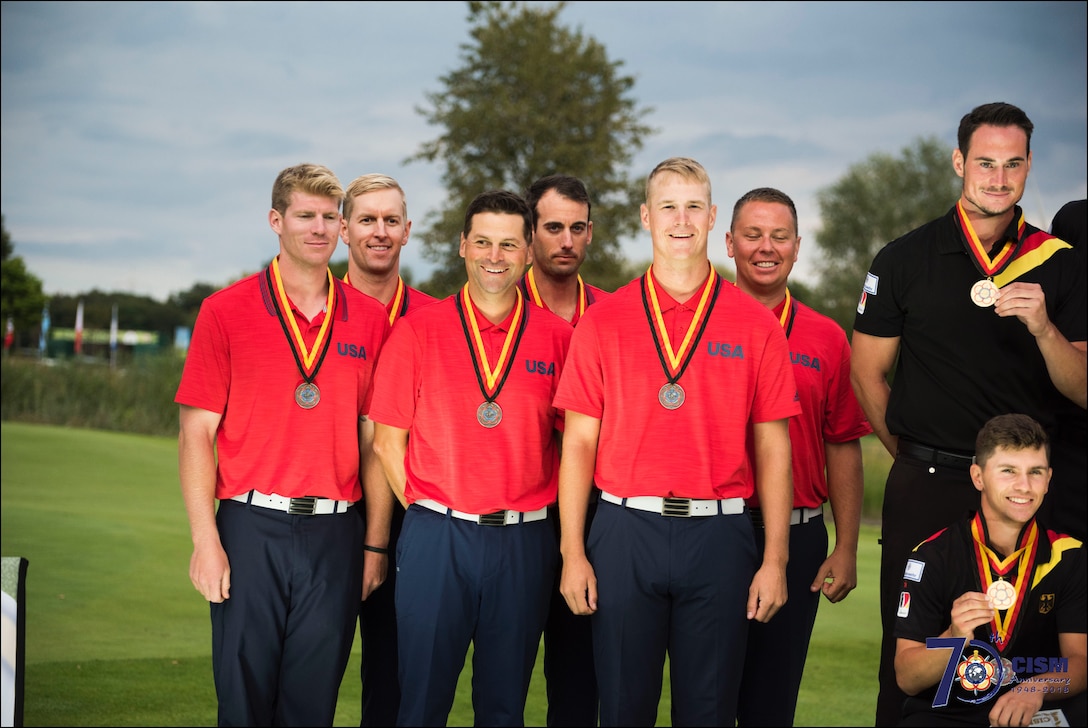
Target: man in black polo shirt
976,312
990,626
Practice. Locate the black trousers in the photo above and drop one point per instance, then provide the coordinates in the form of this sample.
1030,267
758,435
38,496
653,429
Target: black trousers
378,633
568,656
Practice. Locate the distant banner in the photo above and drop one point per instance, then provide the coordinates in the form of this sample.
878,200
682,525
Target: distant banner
102,336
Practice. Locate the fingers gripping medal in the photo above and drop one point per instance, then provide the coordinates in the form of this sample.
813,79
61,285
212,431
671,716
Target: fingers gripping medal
984,293
1002,594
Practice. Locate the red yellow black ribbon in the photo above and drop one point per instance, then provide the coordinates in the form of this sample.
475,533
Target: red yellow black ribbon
675,361
491,380
989,564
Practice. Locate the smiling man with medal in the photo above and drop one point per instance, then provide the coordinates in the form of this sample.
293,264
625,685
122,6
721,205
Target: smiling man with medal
979,313
825,443
276,384
375,228
677,391
996,600
468,436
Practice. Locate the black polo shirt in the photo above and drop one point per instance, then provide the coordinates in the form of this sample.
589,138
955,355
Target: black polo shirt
960,364
943,568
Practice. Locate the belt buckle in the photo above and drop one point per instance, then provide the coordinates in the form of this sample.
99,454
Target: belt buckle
498,518
303,506
676,507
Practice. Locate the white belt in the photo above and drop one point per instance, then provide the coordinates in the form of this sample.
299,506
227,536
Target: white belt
797,515
498,518
306,506
678,506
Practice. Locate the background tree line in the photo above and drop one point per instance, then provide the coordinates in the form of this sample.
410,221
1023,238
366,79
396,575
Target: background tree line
532,97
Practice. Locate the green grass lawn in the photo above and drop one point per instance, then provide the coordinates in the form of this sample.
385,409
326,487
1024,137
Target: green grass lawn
117,636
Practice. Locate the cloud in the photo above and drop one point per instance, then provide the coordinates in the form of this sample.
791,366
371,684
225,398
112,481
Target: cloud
140,140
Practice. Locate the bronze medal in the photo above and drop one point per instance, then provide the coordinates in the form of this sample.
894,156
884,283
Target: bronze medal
489,414
984,293
671,395
307,395
1005,596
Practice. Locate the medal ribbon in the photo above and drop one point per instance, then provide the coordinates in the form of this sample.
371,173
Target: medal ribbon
398,306
489,379
534,294
981,257
309,362
988,564
678,361
789,312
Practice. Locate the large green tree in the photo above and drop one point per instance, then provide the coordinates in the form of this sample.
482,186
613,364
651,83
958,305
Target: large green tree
533,98
21,296
875,202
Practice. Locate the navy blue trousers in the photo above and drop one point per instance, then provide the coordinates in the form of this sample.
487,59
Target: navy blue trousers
780,647
281,642
675,585
459,583
917,503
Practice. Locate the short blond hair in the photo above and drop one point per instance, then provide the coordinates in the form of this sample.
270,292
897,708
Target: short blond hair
311,179
686,167
371,183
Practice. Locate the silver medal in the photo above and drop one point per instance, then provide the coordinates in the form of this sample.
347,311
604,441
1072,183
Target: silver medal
671,396
307,395
489,414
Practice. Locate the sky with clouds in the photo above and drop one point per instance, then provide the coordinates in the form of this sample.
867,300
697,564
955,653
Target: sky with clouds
140,140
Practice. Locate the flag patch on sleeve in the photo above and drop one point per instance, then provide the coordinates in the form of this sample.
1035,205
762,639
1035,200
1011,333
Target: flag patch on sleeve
904,604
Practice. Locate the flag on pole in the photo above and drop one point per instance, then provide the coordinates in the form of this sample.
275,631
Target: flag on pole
79,328
9,334
113,329
44,337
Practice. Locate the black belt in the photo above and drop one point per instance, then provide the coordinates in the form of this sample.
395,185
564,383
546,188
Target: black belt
934,456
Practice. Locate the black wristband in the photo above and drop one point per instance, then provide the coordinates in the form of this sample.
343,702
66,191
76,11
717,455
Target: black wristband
376,550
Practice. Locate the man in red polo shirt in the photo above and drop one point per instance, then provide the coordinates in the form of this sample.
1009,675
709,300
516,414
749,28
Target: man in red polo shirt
467,433
275,385
677,390
375,227
826,445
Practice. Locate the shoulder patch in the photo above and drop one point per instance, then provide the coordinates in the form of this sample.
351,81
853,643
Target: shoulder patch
871,283
914,569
